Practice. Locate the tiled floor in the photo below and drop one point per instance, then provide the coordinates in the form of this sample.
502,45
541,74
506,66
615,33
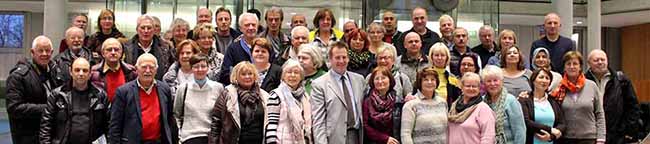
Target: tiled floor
5,135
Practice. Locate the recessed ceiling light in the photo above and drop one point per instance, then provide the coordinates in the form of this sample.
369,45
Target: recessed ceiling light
579,22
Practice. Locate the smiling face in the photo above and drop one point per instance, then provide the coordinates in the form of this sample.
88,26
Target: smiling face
386,59
200,70
467,65
106,22
541,59
325,23
375,35
292,76
112,51
260,55
339,59
185,54
42,53
249,27
246,78
507,41
429,84
146,70
542,81
493,84
205,41
419,18
145,30
203,16
80,22
357,43
180,33
381,82
75,39
349,26
598,62
471,87
572,68
512,56
446,27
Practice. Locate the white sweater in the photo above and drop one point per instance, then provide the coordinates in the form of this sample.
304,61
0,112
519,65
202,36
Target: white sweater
197,108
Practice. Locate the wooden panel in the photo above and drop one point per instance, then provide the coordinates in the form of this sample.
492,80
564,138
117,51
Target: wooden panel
635,41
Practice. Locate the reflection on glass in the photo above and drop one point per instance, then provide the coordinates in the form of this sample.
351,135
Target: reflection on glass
11,30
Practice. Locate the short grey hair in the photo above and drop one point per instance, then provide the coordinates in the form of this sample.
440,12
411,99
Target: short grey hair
142,18
386,48
460,28
446,17
179,22
486,27
491,70
376,25
244,15
109,41
299,28
72,29
146,56
291,63
468,76
40,38
314,52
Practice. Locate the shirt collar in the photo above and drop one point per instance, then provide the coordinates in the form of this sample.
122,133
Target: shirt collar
145,49
146,89
338,76
106,67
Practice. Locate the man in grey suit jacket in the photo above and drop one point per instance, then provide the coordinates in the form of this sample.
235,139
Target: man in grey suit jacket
336,101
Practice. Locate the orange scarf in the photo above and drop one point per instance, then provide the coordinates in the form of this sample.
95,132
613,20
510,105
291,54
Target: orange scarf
567,86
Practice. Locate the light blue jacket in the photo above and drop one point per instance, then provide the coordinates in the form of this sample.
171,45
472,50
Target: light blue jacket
515,127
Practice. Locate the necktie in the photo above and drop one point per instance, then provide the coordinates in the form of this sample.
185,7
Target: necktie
348,102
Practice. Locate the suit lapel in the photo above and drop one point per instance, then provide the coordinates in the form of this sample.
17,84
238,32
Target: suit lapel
333,85
137,102
162,99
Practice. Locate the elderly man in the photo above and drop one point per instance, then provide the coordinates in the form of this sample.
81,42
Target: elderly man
389,21
556,44
273,33
240,50
77,112
336,101
488,47
413,60
141,111
80,21
300,35
428,37
146,42
447,27
298,20
74,37
619,99
460,48
203,15
225,35
112,72
28,85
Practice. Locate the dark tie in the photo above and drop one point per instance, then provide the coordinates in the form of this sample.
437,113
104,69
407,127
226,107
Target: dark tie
348,102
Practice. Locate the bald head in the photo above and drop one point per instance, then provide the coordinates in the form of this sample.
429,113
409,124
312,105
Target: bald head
552,24
597,61
80,73
412,43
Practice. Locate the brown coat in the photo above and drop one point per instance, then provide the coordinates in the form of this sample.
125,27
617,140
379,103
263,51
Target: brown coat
225,125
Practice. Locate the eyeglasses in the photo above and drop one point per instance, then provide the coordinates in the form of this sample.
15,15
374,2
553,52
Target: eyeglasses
200,66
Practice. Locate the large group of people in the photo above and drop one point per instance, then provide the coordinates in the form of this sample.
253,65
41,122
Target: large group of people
257,84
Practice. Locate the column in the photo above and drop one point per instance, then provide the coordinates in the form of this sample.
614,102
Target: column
593,25
54,21
564,8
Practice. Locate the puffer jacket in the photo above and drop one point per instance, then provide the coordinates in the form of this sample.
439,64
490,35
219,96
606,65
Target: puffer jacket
27,90
64,62
56,121
225,117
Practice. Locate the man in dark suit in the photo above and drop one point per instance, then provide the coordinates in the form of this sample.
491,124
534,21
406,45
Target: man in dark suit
142,109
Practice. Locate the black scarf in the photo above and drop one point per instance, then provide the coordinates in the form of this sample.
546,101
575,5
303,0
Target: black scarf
460,106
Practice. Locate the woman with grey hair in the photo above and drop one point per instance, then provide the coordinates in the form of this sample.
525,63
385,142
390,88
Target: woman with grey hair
288,108
376,34
312,62
179,29
510,126
471,121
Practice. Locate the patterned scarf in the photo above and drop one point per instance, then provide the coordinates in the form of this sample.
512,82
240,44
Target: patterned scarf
460,112
359,59
383,106
499,107
297,102
248,97
567,86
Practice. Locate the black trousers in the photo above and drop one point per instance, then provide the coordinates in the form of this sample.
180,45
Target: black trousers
577,141
196,140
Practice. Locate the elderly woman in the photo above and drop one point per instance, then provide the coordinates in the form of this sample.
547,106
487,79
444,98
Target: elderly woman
239,116
194,101
515,74
105,29
311,61
581,103
269,73
541,60
510,127
179,29
543,115
471,121
181,71
448,85
360,57
424,120
203,35
376,33
382,108
289,111
507,39
386,58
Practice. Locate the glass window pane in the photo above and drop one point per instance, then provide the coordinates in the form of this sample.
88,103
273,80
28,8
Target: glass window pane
11,30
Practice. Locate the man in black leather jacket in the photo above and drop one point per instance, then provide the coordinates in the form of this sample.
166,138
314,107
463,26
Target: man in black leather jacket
77,112
28,85
620,104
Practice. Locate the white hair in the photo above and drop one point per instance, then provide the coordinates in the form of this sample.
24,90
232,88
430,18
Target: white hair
486,27
245,15
291,63
40,38
146,56
299,28
491,70
144,17
72,29
468,76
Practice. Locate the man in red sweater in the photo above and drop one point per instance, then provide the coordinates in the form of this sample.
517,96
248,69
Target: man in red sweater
112,72
142,108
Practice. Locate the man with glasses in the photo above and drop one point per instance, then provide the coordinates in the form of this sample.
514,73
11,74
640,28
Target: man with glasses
145,41
141,111
112,72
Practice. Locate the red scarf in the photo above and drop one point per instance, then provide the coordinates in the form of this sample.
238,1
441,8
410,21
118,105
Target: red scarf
567,86
382,106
